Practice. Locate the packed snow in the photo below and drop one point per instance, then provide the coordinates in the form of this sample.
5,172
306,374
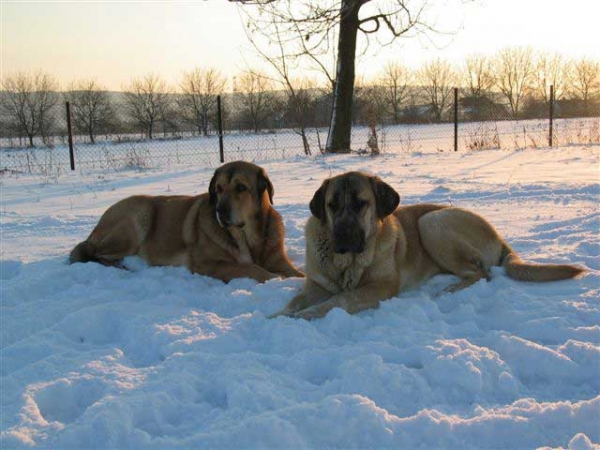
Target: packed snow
157,357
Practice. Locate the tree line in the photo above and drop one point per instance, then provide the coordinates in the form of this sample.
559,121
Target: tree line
511,84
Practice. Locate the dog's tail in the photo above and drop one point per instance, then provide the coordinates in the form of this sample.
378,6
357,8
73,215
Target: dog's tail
520,270
83,252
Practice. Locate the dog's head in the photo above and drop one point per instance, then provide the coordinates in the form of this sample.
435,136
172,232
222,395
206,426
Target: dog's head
239,191
351,205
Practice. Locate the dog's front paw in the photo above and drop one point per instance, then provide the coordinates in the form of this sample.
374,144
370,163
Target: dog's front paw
284,312
271,276
315,312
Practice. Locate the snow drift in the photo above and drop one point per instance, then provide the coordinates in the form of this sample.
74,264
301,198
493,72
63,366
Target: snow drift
156,357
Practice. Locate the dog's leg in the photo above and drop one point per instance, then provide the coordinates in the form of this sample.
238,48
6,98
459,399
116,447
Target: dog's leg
462,284
284,267
227,271
279,263
312,294
472,271
365,297
461,243
467,263
111,244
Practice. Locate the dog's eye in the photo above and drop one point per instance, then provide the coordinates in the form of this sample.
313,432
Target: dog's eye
362,204
241,188
219,189
332,206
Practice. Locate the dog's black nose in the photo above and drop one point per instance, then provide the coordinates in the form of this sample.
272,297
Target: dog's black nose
347,241
340,249
343,248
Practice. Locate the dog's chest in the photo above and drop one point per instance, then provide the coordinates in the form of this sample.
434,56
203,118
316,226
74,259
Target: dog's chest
349,278
345,271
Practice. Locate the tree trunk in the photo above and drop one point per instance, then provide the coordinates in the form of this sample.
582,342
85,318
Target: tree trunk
340,128
205,124
30,136
305,143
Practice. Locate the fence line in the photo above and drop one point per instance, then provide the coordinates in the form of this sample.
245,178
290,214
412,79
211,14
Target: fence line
302,136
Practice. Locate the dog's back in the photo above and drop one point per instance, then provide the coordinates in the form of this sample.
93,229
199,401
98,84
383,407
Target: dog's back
127,226
440,239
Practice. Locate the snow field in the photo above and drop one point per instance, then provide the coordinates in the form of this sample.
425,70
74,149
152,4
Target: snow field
110,153
156,357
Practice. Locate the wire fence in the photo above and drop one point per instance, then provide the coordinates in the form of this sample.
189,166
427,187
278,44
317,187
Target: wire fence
285,127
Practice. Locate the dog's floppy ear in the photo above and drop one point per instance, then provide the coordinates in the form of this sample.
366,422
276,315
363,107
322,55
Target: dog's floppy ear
212,188
317,204
386,197
264,184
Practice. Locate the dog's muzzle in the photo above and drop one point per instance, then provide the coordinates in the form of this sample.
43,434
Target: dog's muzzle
224,217
348,238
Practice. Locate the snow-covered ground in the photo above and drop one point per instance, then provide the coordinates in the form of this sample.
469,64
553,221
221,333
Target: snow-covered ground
131,151
96,357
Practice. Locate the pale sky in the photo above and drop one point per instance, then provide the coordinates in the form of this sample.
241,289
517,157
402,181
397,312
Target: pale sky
115,41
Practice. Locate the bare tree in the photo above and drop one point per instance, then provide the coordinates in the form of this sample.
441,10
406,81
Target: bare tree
372,105
395,79
477,78
550,70
28,100
514,67
297,91
91,108
148,101
256,97
309,29
199,89
438,80
586,82
300,105
478,75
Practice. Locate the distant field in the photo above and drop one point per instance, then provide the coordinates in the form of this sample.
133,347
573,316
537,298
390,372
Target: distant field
117,152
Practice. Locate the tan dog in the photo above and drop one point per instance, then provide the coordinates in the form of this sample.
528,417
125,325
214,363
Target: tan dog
361,250
231,232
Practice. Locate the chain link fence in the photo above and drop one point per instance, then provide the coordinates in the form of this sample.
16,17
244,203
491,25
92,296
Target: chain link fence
278,125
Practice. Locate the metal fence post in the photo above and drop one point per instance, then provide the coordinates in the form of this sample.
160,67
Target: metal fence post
455,119
70,136
551,114
220,125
